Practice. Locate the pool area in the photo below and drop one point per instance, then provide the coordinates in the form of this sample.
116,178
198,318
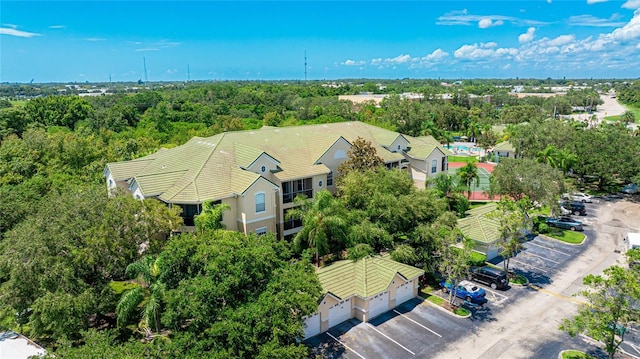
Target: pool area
464,149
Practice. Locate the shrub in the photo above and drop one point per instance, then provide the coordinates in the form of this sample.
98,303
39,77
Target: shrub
543,228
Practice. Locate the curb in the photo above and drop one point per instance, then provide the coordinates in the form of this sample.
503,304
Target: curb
444,310
571,244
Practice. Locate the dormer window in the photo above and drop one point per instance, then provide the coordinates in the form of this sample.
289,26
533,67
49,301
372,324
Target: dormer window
399,147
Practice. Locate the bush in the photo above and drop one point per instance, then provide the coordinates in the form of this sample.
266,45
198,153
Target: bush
543,228
477,259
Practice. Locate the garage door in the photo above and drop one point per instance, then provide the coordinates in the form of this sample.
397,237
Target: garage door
339,312
312,325
404,293
378,305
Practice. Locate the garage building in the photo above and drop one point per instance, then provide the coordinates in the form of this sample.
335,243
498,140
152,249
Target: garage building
361,289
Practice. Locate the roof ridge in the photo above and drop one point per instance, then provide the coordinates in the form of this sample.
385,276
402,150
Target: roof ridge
213,150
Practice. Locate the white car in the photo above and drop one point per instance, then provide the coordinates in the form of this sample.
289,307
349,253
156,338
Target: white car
580,197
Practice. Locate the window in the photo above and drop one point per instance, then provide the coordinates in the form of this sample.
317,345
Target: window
291,223
329,179
320,183
190,211
399,147
263,169
434,166
294,188
260,206
110,183
261,231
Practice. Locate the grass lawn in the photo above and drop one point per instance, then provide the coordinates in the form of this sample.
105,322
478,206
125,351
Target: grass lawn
462,159
575,354
567,236
519,279
427,294
474,204
635,110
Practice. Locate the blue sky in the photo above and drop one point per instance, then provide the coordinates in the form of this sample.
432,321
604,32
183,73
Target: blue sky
66,41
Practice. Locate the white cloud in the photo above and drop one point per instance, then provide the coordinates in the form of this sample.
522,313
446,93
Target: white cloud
13,26
437,54
487,23
349,62
527,36
147,49
94,39
56,27
562,40
548,1
400,59
629,31
171,71
483,50
590,20
590,2
631,4
483,21
18,33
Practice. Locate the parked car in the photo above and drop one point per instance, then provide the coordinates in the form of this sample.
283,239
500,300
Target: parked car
577,208
493,277
578,196
631,188
565,223
465,290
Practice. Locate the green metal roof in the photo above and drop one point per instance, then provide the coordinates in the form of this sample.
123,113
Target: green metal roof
478,226
365,277
422,147
504,146
212,167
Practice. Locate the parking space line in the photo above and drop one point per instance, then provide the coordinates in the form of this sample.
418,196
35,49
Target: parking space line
549,248
397,312
527,264
496,295
634,348
346,346
386,336
541,257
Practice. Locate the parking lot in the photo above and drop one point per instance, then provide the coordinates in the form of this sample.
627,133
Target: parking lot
419,329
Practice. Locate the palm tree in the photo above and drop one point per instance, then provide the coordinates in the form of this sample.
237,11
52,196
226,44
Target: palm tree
211,216
549,156
468,174
320,221
447,185
145,300
628,117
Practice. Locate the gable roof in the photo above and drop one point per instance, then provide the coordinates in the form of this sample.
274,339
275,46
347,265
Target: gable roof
504,146
423,146
365,277
214,167
478,226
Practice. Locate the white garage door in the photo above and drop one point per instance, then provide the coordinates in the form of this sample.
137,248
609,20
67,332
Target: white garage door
378,305
339,312
404,293
312,325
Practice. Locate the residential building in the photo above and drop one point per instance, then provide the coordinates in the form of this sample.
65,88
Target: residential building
258,173
361,289
502,149
483,229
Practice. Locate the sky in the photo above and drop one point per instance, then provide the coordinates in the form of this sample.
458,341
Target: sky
100,41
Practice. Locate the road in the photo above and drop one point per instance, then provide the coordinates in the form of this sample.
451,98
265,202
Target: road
528,327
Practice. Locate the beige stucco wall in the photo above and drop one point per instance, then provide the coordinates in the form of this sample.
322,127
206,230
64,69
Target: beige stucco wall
333,158
399,141
247,218
265,161
359,308
229,216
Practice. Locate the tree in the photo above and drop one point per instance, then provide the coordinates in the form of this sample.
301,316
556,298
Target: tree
361,156
511,216
453,258
612,303
145,300
322,223
448,186
468,175
211,216
628,117
520,178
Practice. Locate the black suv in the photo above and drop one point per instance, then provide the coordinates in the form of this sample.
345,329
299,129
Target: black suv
576,207
493,277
